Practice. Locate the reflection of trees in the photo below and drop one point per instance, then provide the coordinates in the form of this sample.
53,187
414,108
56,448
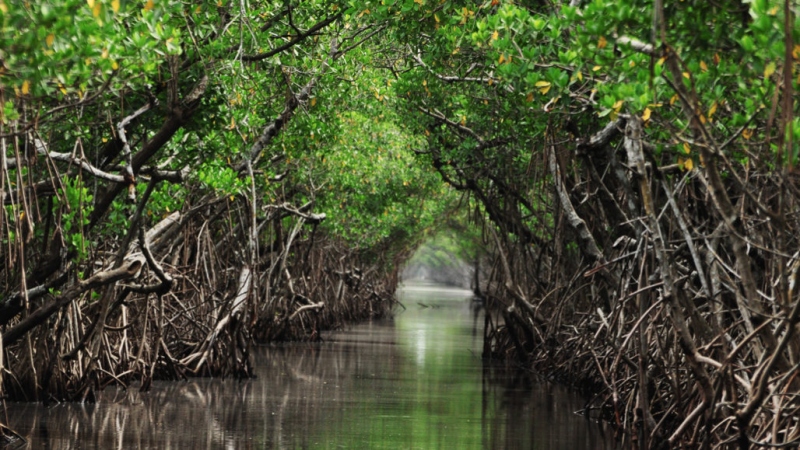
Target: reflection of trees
266,412
174,415
532,413
318,395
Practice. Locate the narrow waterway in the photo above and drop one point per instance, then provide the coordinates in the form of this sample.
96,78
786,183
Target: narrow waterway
413,382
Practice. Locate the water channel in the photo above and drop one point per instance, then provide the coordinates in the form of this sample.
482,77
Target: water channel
413,382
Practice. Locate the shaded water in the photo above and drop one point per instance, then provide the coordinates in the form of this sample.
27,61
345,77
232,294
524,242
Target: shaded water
414,382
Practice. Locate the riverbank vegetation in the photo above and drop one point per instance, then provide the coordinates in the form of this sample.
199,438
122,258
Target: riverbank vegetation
183,180
169,176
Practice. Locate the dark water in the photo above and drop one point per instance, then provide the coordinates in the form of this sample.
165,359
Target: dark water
414,382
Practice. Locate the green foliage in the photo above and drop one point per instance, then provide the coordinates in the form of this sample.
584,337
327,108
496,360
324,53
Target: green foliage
514,72
452,244
471,91
219,177
74,204
371,187
63,49
9,113
167,198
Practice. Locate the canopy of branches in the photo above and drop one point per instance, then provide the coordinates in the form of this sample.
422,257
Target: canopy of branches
648,147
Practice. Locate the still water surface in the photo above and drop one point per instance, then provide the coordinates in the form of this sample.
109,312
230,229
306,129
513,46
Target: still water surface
413,382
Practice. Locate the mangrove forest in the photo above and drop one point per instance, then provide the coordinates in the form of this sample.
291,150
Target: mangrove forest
616,181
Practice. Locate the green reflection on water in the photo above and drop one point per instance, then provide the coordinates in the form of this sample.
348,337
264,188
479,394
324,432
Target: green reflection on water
434,397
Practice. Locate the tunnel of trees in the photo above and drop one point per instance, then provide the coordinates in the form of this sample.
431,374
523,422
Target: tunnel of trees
182,180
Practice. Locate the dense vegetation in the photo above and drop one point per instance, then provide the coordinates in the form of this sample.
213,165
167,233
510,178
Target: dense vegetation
183,179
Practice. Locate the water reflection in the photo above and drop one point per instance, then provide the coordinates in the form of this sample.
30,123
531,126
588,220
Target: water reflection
415,382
